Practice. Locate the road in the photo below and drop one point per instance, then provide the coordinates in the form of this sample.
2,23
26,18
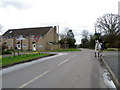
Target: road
73,70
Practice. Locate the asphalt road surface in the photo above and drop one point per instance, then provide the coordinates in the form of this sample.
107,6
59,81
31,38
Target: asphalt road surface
72,70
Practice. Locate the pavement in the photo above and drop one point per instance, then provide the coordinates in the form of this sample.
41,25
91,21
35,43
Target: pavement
69,70
112,59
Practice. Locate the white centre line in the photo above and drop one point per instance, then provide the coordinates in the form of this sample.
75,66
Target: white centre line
34,79
63,62
66,60
73,56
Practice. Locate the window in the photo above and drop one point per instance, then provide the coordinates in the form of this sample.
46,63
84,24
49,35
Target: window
5,43
9,37
21,37
10,32
32,36
40,45
18,46
23,45
9,45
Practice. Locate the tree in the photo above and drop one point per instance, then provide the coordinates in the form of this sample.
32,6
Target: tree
67,39
70,34
84,40
108,24
85,34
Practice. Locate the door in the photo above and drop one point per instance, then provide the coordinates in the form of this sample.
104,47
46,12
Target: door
18,46
34,47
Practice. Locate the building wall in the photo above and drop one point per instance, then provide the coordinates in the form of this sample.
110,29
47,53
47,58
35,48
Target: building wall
9,43
41,45
51,36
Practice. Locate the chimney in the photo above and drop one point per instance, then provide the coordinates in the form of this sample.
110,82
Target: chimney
55,33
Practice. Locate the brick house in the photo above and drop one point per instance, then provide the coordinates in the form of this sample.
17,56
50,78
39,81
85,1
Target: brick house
35,39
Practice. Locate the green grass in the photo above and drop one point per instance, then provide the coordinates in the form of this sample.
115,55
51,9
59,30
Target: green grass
25,51
112,49
16,59
66,50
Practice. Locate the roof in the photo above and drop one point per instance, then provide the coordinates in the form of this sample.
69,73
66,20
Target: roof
27,31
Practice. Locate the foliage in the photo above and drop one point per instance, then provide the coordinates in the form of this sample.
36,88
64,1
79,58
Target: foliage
88,41
111,49
85,34
6,52
109,26
4,46
68,39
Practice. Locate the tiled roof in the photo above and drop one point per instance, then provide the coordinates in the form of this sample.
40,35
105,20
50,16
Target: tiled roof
27,31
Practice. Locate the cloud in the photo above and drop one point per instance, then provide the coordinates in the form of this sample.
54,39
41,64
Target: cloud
73,14
15,3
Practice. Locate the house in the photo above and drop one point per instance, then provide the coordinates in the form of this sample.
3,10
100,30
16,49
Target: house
35,39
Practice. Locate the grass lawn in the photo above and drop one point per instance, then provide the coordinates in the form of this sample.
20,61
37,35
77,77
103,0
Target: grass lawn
66,50
21,58
112,49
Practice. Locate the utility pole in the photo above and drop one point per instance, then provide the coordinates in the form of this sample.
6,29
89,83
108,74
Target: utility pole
21,45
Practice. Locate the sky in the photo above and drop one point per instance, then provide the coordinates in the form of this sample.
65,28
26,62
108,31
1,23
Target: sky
77,15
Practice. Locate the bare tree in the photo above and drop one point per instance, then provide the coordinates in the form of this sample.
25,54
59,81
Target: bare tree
85,34
108,24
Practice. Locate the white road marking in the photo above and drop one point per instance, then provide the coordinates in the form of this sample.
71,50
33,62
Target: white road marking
34,79
63,62
66,60
73,56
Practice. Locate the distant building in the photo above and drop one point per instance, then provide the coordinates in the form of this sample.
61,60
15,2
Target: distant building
35,39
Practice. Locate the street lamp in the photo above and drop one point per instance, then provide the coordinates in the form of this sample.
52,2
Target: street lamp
21,38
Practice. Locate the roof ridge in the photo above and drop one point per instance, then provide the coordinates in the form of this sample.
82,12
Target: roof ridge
28,31
30,28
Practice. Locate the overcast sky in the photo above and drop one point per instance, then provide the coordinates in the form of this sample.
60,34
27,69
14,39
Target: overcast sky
73,14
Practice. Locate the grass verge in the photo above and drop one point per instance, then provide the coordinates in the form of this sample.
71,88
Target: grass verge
66,50
112,49
8,61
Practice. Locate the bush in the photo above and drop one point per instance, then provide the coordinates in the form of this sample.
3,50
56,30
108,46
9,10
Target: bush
6,52
4,47
107,45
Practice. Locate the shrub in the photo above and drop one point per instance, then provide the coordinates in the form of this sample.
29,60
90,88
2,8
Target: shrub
6,52
108,45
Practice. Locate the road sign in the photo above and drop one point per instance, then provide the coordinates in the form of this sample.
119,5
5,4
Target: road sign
36,38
